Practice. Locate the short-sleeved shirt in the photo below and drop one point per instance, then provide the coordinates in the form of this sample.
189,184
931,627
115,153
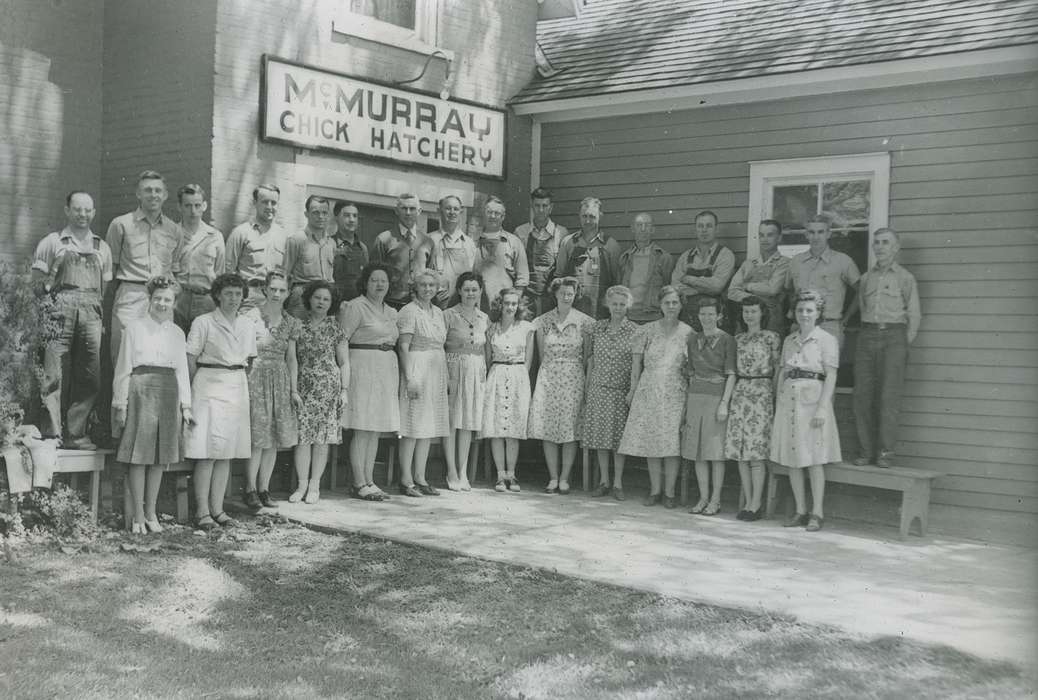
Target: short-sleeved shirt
69,263
711,357
309,259
405,252
889,296
215,340
509,346
366,323
350,258
818,352
252,253
832,273
501,259
453,254
142,249
464,335
428,328
203,257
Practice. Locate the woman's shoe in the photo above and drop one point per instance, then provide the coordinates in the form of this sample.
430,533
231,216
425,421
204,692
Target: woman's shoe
206,523
618,494
501,486
224,520
798,520
266,500
453,485
513,485
410,491
743,515
814,523
252,500
563,487
653,499
712,509
464,485
299,493
427,490
313,495
153,526
697,509
137,528
600,490
670,503
552,487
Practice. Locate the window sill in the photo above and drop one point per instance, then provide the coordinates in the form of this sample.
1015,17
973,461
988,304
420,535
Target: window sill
362,27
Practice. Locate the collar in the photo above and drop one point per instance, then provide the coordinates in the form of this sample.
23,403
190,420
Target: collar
340,241
456,235
548,228
498,236
402,231
825,257
139,214
597,239
306,232
711,340
256,226
203,227
893,267
695,250
563,323
162,325
66,234
813,336
774,256
653,248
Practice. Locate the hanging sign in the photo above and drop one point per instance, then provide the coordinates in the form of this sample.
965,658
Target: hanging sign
317,109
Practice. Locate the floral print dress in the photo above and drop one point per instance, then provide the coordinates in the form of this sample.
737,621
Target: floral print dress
752,408
605,409
319,382
558,397
273,417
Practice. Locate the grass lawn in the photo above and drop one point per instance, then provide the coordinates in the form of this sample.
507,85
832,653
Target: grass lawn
274,610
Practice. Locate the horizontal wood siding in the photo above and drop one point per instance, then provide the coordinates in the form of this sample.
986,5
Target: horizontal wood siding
963,182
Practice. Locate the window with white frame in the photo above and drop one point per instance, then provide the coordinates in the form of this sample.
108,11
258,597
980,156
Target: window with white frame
409,24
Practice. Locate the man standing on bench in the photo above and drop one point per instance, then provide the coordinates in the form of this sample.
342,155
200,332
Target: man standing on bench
890,317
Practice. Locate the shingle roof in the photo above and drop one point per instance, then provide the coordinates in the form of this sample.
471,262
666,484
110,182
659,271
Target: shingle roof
627,45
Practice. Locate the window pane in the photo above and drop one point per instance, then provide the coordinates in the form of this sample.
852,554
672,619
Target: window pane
848,205
792,205
398,12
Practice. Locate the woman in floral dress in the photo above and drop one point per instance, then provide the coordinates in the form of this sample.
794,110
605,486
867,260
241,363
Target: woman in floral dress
273,389
466,375
558,398
506,399
324,375
752,410
657,396
608,383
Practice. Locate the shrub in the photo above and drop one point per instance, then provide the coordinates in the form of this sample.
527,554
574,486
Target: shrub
60,512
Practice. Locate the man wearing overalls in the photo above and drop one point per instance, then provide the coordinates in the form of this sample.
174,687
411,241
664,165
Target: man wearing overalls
72,267
703,271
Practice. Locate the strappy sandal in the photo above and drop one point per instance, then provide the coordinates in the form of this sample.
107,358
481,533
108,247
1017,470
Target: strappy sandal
712,509
224,520
206,523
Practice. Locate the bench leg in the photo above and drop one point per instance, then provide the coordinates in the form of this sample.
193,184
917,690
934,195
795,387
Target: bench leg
95,493
182,496
915,504
127,502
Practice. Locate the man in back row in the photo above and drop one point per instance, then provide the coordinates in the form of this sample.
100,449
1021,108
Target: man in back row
309,254
645,268
829,271
765,276
542,239
257,246
404,249
703,271
202,257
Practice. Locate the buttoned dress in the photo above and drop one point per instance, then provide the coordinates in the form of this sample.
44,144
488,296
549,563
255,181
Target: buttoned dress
794,442
711,360
220,397
506,399
466,366
751,412
274,422
605,406
374,369
556,409
427,415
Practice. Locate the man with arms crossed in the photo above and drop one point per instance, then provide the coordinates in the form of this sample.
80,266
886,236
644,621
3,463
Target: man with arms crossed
765,277
703,271
890,318
202,258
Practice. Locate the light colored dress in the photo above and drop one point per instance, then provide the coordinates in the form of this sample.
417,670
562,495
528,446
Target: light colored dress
558,398
794,443
220,397
320,382
506,399
273,422
711,360
605,407
466,367
653,426
374,370
427,415
752,408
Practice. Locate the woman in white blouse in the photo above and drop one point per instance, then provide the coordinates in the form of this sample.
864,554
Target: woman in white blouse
151,395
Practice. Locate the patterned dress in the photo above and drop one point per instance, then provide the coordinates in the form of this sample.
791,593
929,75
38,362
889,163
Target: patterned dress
272,415
319,382
466,367
506,399
558,398
654,423
605,408
427,415
752,410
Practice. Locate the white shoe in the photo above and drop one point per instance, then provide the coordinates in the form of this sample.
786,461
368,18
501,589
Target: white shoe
464,484
298,494
312,496
453,485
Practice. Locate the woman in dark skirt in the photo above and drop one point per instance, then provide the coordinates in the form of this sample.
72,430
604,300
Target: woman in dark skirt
151,395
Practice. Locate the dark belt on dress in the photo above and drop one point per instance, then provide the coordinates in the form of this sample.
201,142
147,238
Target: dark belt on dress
122,281
384,347
754,376
508,362
804,374
209,365
152,369
883,326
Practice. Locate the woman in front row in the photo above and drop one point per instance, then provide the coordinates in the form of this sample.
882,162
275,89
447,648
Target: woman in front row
711,364
506,400
752,408
558,398
151,395
804,434
657,397
220,347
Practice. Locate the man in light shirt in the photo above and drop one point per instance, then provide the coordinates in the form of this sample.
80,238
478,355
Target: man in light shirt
645,268
309,254
765,277
202,258
890,318
703,271
454,251
542,238
257,246
145,243
404,249
501,257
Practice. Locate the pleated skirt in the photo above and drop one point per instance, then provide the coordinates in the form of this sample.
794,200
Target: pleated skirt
153,421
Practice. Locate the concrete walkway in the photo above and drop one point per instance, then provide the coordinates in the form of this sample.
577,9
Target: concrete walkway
976,597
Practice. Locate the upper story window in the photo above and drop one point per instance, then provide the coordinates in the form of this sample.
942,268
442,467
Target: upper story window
407,24
400,13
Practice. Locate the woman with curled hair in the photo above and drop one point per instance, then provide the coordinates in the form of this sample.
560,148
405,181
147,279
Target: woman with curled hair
608,383
506,398
751,411
324,375
220,347
369,324
804,433
151,398
274,398
657,396
558,397
423,383
466,375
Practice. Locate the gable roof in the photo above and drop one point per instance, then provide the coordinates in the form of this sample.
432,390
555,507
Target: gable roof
621,46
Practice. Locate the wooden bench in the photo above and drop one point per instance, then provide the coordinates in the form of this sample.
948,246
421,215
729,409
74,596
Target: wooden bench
78,462
914,485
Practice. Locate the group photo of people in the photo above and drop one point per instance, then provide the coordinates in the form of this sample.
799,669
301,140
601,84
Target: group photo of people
316,343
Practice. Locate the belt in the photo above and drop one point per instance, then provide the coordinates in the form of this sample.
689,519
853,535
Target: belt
210,365
710,380
796,373
384,347
75,288
151,369
754,376
466,351
883,326
508,362
122,281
